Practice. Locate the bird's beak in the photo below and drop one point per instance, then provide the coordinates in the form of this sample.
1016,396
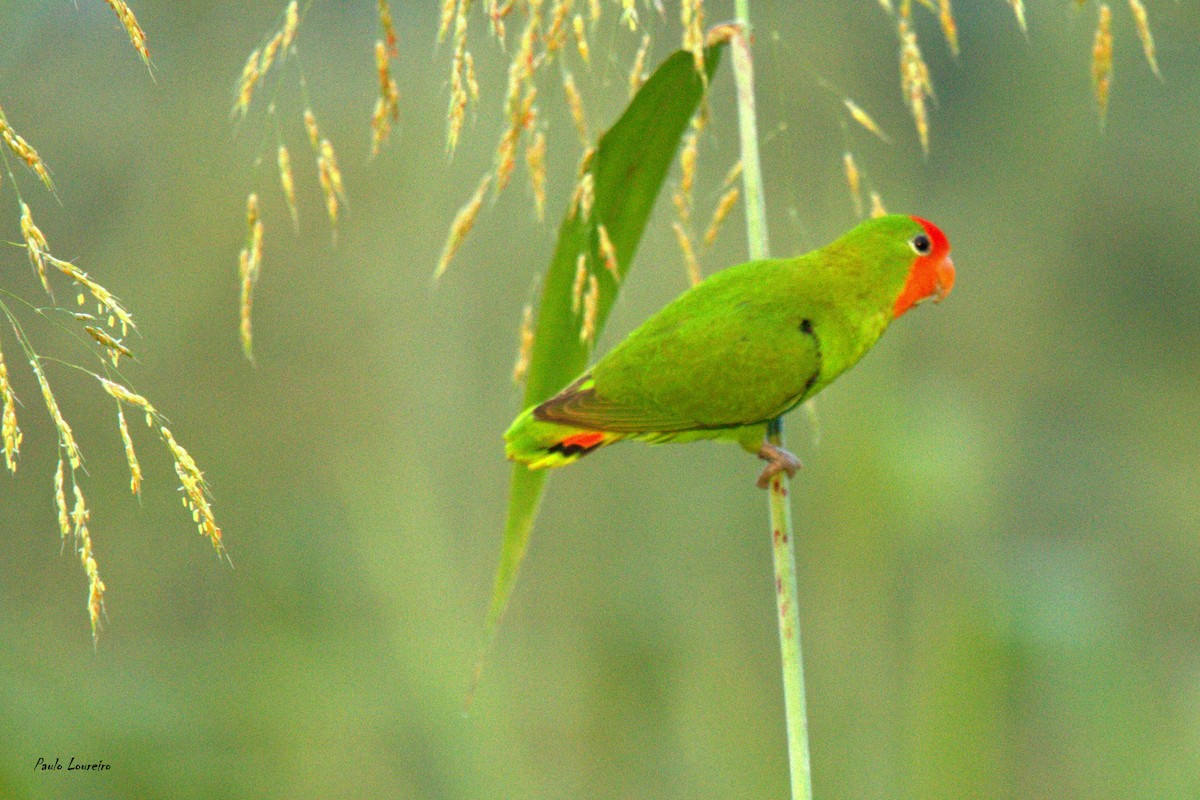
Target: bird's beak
945,279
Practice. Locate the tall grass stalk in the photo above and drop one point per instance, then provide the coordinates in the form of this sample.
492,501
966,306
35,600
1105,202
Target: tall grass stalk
784,549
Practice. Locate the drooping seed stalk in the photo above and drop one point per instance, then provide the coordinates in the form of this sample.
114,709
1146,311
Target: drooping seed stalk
783,545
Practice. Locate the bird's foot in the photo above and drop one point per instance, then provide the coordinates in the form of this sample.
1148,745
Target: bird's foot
778,460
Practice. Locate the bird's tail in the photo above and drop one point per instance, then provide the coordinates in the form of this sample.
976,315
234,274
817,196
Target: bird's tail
539,444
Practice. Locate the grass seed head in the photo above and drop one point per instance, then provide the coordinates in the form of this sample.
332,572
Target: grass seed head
629,14
608,253
137,37
581,275
877,209
581,41
9,430
1102,59
291,23
864,119
591,309
1142,22
575,103
126,395
60,501
535,160
463,222
310,125
720,213
135,469
287,182
247,82
689,253
66,438
637,74
914,80
854,181
35,245
389,28
195,489
1018,7
525,348
25,152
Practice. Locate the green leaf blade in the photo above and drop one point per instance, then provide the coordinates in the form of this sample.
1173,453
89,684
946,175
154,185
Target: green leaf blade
631,163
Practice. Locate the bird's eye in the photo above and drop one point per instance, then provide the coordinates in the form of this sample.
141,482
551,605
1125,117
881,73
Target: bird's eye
921,244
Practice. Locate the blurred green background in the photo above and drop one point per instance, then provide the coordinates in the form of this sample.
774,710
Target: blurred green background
997,524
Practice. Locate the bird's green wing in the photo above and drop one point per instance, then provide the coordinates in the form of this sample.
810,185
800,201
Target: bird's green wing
734,351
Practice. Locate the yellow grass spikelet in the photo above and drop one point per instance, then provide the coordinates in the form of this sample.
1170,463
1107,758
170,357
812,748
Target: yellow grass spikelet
135,469
575,103
325,179
556,34
734,173
387,106
877,209
535,160
291,23
506,157
1102,59
126,395
83,543
720,213
35,245
137,36
96,586
591,308
581,275
287,182
1142,22
637,74
60,501
335,174
247,82
687,162
1018,7
463,222
608,252
594,11
525,347
447,17
581,41
389,28
864,119
629,15
66,438
584,196
115,348
886,5
689,253
9,430
854,181
269,52
25,152
249,265
456,113
914,80
949,27
310,125
691,17
108,303
195,489
472,81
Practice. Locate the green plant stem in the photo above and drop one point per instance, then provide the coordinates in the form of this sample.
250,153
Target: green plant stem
784,549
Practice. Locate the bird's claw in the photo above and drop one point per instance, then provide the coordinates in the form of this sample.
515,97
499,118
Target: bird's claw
778,460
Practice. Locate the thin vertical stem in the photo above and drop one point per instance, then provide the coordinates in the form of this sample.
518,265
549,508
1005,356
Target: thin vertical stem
784,550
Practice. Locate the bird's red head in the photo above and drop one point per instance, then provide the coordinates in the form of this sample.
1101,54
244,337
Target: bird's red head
932,272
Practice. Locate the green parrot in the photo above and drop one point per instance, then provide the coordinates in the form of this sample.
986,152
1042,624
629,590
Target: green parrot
742,348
